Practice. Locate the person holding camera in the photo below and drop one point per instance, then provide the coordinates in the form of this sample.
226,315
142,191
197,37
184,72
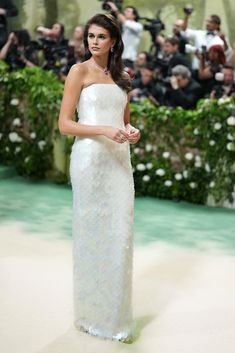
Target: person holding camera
208,37
225,85
18,51
131,32
7,9
146,86
184,91
209,66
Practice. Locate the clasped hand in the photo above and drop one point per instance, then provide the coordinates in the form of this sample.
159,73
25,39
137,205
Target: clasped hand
130,134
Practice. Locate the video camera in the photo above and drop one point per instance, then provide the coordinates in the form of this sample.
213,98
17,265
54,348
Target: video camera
106,7
154,26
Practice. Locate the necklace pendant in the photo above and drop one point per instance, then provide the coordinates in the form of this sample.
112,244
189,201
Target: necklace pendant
106,71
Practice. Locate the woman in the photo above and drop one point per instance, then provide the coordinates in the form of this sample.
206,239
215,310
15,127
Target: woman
208,69
102,183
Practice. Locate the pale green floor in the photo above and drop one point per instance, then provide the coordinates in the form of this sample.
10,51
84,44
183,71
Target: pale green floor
46,208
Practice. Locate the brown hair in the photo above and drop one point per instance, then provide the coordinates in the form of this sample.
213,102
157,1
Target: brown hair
115,64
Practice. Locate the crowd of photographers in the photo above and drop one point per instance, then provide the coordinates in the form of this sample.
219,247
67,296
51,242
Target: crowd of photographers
177,70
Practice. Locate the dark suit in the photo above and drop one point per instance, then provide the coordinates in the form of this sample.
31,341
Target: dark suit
11,11
185,97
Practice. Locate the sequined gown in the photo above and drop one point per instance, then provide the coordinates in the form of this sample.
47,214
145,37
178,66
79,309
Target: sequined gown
103,198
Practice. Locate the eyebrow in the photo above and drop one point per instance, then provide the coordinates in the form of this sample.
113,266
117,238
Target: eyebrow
104,34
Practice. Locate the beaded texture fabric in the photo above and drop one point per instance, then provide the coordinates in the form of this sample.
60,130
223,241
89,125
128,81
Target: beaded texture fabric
103,201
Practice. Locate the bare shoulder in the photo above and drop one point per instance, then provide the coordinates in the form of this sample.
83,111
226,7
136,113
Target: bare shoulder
79,69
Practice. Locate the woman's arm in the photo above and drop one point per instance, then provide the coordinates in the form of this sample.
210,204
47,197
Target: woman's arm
6,47
66,124
134,134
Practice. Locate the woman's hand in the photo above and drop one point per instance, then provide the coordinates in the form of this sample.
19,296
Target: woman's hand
116,134
133,134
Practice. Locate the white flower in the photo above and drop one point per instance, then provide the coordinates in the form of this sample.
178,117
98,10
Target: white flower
133,170
14,101
198,164
196,131
178,176
148,147
41,144
7,149
185,174
18,149
230,146
160,172
230,137
211,142
189,156
136,150
141,126
168,183
33,135
146,178
212,184
197,158
217,126
192,185
140,167
0,135
231,121
26,159
14,137
149,165
166,155
221,101
16,122
207,168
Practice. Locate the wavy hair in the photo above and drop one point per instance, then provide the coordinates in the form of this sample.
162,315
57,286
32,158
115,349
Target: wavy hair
115,63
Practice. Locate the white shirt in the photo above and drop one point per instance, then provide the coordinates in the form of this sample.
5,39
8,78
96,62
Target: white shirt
131,39
202,37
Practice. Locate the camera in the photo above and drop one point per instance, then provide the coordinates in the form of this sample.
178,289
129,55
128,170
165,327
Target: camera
55,54
106,7
188,9
154,26
218,89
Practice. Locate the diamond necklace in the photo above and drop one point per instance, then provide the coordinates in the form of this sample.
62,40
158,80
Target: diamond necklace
104,70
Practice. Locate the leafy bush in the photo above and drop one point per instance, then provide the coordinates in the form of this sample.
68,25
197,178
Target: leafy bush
182,155
30,101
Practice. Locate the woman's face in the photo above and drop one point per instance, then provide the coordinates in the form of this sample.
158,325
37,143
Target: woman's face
212,55
99,40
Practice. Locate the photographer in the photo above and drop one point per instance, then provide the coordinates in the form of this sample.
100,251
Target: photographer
171,56
210,36
131,31
184,91
225,85
7,9
146,87
177,31
18,51
55,49
209,66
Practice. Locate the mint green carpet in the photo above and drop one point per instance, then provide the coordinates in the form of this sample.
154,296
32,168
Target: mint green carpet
46,208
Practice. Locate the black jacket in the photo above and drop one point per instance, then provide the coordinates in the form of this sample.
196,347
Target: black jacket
185,97
11,10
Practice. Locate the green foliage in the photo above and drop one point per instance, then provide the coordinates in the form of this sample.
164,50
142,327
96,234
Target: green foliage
182,154
30,101
185,154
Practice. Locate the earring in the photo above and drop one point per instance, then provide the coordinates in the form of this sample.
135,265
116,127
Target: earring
111,50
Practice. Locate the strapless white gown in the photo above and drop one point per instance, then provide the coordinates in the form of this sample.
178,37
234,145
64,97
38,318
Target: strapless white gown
103,199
